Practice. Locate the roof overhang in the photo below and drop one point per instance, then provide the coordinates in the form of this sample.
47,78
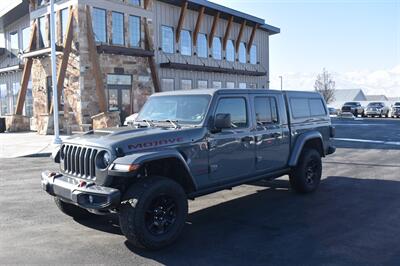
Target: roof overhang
225,12
12,11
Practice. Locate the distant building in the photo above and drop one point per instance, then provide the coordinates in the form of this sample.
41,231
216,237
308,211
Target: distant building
377,98
342,96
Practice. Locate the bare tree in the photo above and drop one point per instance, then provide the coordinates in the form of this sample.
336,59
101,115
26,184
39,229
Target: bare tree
326,86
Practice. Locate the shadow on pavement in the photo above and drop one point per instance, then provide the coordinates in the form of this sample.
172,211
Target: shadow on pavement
347,221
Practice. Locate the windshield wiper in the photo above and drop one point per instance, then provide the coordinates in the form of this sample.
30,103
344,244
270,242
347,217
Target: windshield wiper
149,123
173,123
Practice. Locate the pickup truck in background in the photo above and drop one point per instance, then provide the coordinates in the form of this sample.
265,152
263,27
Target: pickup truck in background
186,144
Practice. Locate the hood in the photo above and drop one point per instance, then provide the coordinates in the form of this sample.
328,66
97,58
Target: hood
130,140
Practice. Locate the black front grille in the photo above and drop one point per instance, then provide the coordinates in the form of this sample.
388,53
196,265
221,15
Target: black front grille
79,161
346,109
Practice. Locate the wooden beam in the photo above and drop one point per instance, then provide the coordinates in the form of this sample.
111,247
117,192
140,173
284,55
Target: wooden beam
95,63
239,38
152,63
64,62
147,3
213,29
198,25
181,20
227,32
252,36
26,73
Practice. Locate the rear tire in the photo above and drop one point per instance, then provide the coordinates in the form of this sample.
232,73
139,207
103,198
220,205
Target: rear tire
72,210
306,176
153,212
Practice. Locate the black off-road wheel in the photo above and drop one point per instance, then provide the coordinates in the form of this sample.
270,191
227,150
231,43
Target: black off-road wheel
153,212
72,210
306,176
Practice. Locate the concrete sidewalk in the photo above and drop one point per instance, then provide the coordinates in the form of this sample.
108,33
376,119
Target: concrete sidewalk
13,145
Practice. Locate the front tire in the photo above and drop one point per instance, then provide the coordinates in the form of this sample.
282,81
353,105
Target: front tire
153,212
306,176
72,210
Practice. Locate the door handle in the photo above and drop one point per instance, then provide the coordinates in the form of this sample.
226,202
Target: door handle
247,139
276,135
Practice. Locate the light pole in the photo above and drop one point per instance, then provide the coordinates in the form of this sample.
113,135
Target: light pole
57,139
281,82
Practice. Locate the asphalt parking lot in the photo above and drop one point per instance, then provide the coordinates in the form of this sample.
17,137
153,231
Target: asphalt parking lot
353,219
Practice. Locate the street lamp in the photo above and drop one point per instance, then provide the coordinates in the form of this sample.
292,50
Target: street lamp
281,82
57,139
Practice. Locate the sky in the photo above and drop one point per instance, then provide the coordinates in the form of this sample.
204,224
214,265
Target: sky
358,41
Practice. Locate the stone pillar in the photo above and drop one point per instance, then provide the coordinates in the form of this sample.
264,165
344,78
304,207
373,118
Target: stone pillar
17,123
106,119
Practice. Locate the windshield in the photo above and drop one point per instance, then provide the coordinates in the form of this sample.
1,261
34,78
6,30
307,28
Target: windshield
375,105
351,103
397,104
185,109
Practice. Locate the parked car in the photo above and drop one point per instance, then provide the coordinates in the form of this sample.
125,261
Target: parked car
353,107
396,109
332,111
186,144
377,109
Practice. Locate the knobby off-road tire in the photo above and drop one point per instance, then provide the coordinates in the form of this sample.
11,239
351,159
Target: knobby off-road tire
153,212
306,176
72,210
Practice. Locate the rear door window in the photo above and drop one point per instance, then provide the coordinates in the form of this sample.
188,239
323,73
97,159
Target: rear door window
300,107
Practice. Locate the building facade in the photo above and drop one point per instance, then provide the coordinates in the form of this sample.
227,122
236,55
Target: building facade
113,54
14,39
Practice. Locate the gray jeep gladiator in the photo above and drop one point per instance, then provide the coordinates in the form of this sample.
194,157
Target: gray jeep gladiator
187,144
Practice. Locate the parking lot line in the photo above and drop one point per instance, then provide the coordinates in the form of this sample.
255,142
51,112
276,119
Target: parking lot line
397,143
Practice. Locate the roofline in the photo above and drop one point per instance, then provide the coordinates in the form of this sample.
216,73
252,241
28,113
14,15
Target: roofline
194,4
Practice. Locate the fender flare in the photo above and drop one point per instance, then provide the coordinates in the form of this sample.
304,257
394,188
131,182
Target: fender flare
299,145
146,157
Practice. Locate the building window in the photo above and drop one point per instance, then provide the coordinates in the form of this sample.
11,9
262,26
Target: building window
186,84
230,51
43,36
202,50
202,84
236,107
134,31
28,110
167,39
186,43
64,21
3,99
242,85
230,85
14,47
253,54
242,52
26,34
252,86
15,86
118,28
216,48
217,84
168,84
134,2
41,2
99,25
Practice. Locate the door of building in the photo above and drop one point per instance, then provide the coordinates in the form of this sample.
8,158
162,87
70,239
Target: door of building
120,95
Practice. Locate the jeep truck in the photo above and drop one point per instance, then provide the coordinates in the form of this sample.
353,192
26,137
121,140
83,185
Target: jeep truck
184,145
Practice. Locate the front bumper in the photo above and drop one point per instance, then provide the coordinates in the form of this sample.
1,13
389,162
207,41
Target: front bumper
373,112
82,193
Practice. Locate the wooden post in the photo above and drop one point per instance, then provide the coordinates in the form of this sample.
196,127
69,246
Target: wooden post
213,29
181,20
26,73
95,63
147,4
253,34
239,38
64,62
227,32
198,25
152,63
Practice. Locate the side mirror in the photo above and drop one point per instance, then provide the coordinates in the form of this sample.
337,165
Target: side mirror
222,121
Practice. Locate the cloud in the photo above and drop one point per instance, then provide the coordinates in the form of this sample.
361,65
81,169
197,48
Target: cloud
385,81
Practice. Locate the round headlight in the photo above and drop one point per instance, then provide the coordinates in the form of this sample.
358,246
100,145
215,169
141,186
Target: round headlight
106,159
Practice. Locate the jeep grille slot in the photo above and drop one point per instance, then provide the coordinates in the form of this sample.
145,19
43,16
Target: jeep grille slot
80,161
